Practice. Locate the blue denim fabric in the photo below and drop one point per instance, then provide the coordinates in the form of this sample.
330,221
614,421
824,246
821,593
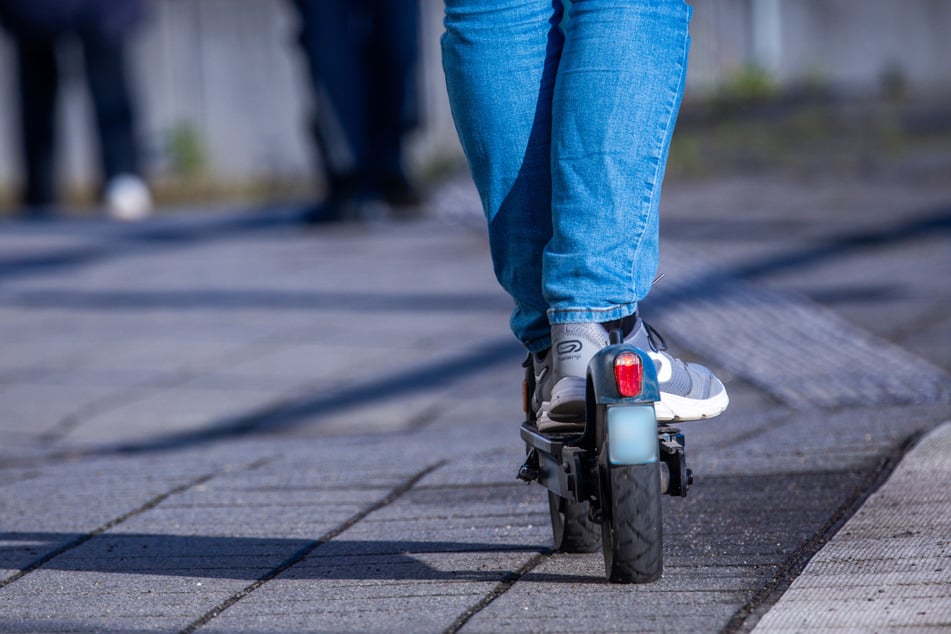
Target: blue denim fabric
566,121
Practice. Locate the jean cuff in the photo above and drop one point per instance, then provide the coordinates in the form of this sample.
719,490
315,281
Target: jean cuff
588,315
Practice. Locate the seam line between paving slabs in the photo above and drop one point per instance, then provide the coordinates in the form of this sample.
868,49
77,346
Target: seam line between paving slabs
151,504
396,493
501,588
772,590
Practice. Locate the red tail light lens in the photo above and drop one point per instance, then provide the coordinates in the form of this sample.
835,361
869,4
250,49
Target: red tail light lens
629,373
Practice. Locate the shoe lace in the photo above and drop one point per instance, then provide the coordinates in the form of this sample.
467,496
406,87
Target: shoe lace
655,339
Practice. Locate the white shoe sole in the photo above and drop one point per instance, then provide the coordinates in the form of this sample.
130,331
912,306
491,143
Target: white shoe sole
567,406
548,426
567,400
673,408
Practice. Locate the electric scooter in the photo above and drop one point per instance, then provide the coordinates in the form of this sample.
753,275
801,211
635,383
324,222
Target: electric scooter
605,483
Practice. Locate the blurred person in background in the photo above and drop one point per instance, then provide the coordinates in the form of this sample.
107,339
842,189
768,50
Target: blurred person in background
38,29
361,57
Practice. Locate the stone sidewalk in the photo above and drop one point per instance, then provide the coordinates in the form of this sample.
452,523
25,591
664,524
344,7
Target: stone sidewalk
886,568
223,420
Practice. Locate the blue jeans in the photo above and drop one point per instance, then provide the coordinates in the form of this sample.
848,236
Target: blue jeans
566,121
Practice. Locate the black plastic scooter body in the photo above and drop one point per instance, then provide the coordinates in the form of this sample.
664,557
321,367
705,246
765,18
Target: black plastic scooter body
566,463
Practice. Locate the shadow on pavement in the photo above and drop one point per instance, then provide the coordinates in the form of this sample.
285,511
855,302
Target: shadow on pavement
922,224
250,558
309,409
120,240
252,299
717,282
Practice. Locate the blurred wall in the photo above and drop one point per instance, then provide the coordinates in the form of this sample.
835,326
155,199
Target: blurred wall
225,75
849,45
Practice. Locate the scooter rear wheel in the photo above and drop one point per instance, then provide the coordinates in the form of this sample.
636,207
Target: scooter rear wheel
631,527
572,530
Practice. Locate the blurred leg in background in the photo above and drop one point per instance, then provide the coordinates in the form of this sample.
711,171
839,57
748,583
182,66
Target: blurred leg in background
125,194
38,76
38,29
361,57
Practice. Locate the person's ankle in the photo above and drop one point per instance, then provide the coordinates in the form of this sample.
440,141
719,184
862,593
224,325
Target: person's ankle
626,325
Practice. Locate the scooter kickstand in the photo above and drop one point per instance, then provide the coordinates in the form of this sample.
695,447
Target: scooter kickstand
528,472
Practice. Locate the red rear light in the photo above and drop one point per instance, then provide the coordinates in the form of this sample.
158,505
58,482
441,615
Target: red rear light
628,372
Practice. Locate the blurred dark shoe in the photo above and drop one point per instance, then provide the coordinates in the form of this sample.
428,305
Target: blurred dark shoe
323,213
336,209
397,191
35,213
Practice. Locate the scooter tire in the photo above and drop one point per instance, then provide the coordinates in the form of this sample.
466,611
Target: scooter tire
632,524
572,530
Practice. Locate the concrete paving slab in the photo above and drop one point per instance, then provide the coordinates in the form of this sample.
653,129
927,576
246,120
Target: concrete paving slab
214,550
157,412
887,569
791,442
466,540
566,592
774,341
36,413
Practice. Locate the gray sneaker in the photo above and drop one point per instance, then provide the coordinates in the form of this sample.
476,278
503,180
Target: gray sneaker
572,346
688,391
542,370
542,367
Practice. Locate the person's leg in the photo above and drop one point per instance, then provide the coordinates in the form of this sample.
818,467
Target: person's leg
38,83
595,166
500,59
393,107
333,37
124,193
106,76
618,92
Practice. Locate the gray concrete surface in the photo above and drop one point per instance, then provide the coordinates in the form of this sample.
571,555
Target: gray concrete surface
226,421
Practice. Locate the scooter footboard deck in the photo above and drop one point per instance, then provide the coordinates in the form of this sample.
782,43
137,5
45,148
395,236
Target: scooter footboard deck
557,464
545,462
